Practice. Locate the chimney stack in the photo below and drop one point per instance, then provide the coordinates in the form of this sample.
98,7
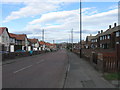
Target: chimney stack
98,32
115,24
101,31
109,26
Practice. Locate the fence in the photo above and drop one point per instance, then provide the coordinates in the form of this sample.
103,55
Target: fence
110,62
107,60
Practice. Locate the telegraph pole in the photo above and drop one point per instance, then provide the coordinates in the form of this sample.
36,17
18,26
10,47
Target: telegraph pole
80,29
43,35
53,41
72,38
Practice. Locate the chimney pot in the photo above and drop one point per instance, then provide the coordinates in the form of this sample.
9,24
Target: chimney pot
101,31
115,24
109,26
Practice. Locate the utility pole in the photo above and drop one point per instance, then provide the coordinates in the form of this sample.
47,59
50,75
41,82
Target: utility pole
72,38
69,38
53,41
80,29
43,35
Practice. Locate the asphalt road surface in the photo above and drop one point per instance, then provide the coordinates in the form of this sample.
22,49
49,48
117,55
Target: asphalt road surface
59,69
41,71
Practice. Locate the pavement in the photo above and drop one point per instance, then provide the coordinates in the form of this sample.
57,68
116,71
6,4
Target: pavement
82,75
61,69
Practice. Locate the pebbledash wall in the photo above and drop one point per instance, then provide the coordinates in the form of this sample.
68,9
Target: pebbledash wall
4,39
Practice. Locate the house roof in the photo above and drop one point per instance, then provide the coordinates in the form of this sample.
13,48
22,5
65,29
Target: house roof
42,43
90,37
48,44
33,40
2,30
111,30
18,36
108,31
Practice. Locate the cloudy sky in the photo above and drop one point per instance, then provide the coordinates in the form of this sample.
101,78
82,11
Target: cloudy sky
57,18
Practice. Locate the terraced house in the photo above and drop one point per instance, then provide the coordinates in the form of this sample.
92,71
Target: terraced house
107,39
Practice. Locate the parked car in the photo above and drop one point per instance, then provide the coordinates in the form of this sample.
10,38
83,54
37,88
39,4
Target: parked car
4,52
20,50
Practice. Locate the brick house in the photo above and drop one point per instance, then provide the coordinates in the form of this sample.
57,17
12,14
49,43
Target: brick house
88,41
107,39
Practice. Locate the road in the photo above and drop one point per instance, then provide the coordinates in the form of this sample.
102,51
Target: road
59,69
41,71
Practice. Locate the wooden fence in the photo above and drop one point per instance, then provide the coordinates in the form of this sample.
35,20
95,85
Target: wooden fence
111,61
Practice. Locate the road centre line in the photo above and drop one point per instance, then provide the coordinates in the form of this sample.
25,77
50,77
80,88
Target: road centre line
22,69
27,67
40,61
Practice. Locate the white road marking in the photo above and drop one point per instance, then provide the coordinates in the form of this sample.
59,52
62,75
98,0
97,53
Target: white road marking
23,69
40,61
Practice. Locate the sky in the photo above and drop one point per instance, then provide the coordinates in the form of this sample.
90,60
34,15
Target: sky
57,18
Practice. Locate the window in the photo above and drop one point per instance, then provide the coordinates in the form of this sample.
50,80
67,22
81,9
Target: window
105,37
96,46
100,38
108,37
117,43
117,34
96,40
100,45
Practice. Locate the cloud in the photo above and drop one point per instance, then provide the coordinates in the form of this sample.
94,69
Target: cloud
66,20
58,24
100,20
60,16
32,9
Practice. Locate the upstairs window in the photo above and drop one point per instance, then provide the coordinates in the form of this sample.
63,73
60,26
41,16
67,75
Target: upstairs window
100,38
96,40
108,36
105,37
117,34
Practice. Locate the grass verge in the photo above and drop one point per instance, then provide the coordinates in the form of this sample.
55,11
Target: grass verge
112,76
